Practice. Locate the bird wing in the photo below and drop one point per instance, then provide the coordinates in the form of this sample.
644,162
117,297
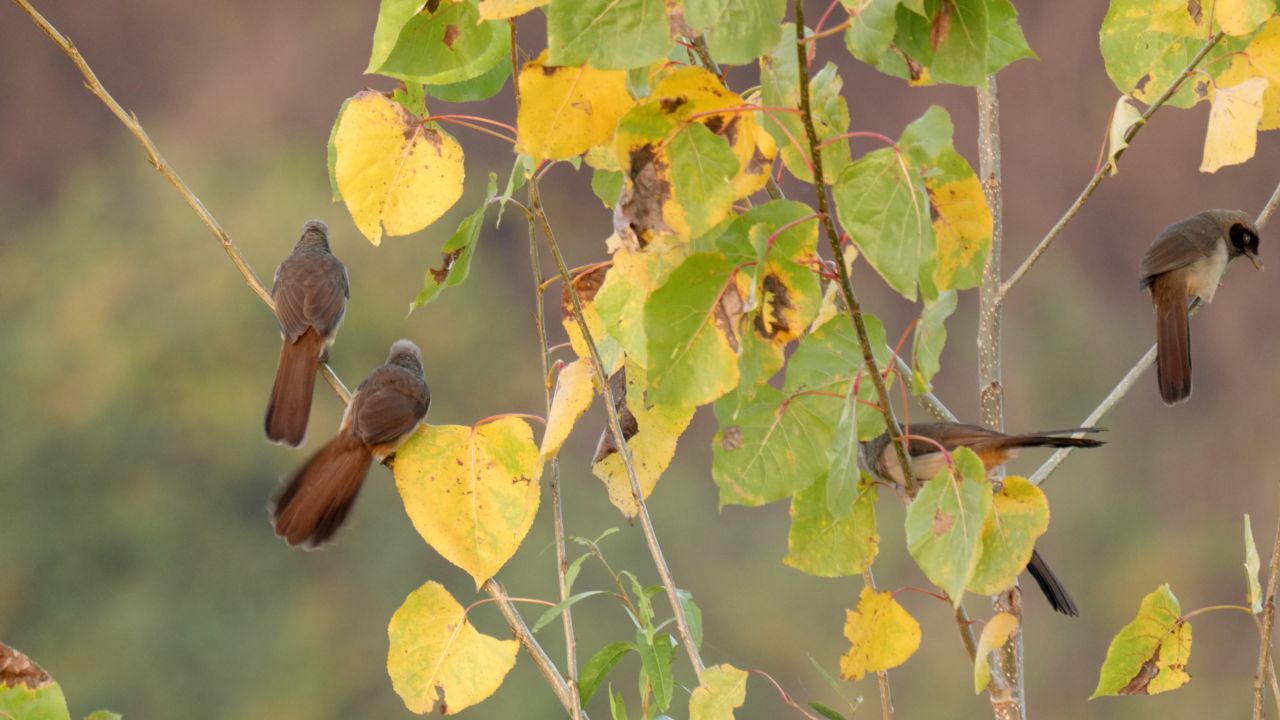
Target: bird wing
387,405
1179,245
316,298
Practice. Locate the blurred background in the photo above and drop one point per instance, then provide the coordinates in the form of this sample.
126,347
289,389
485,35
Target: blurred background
136,561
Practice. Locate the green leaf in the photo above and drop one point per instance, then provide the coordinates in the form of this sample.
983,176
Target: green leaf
772,447
617,707
481,87
829,360
556,610
1006,44
926,137
1149,43
881,203
871,29
599,666
455,261
655,659
945,522
333,153
44,702
103,715
606,185
842,461
946,41
691,328
702,170
720,689
609,34
961,57
824,545
929,339
1251,567
448,45
826,711
737,31
1019,515
779,87
1150,654
692,615
392,16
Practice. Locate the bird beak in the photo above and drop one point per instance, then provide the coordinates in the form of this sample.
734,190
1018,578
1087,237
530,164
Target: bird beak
1253,258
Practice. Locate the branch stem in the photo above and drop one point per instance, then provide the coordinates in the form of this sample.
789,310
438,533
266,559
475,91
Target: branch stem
1267,626
567,695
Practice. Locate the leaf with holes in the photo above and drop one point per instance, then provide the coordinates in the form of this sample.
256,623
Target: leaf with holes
609,34
1150,654
881,633
455,262
1234,114
824,545
721,689
471,492
438,658
945,523
1019,515
395,171
567,110
439,44
574,390
994,634
779,87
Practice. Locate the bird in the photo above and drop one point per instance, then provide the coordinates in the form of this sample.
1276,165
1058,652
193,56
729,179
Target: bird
386,408
1184,265
994,449
310,293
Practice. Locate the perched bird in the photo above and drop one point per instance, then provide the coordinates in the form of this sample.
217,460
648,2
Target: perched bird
1185,263
384,411
994,449
310,293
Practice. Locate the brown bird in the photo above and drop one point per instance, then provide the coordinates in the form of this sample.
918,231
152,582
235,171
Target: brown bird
386,408
994,449
310,293
1184,265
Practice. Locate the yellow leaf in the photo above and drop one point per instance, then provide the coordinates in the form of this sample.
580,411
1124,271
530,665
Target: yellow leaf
1234,114
503,9
650,433
471,492
963,230
755,156
437,655
721,689
1241,17
1123,117
828,308
394,170
882,633
587,284
994,635
620,302
566,110
1019,515
572,398
1260,59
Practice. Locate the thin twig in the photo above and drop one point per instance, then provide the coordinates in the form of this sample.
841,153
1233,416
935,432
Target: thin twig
615,428
1008,698
567,695
1101,173
846,287
927,400
1268,619
1131,377
557,508
786,697
134,126
882,676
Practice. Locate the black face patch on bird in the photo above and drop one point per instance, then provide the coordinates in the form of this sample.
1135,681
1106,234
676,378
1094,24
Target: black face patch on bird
1244,240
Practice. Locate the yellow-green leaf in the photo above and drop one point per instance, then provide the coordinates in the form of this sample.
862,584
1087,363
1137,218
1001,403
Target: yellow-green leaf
627,285
650,433
1251,567
824,545
566,110
994,635
1234,115
587,284
721,689
1241,17
1019,514
503,9
945,522
471,492
572,398
438,658
963,224
882,634
1260,59
26,690
1150,654
1123,117
395,171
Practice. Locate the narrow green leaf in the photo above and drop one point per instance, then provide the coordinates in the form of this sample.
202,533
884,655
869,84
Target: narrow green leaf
599,667
456,258
692,615
554,611
929,339
617,708
826,711
655,659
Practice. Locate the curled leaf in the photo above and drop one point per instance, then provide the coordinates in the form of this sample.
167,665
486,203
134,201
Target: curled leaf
1150,654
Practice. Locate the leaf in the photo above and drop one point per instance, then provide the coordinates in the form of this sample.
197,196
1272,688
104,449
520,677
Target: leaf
558,609
825,711
1146,44
882,634
588,284
471,492
566,110
333,153
599,666
627,286
481,87
771,447
609,34
692,615
655,660
929,339
963,225
392,16
1019,515
883,207
1123,117
445,43
945,523
961,55
1251,566
574,390
617,707
394,171
872,24
103,715
1242,17
1006,43
702,170
824,545
607,185
994,635
737,31
650,433
842,461
780,87
455,263
720,690
1234,114
437,656
828,361
26,690
691,324
1150,654
503,9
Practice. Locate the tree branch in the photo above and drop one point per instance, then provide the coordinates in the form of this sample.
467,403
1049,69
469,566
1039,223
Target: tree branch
882,676
1131,378
615,428
1101,173
567,695
1268,620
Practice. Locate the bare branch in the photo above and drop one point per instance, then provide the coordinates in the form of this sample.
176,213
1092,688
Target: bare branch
1268,621
567,695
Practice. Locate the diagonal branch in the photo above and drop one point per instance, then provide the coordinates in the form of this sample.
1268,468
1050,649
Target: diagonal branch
1101,173
567,694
